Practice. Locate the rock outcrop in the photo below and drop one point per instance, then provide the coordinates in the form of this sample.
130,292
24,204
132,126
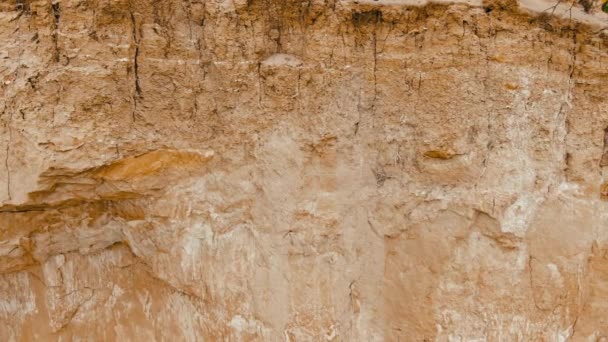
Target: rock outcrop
319,170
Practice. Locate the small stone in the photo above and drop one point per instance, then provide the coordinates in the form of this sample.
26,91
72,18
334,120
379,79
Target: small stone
274,34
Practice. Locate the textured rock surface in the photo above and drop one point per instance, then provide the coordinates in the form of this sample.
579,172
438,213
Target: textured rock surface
318,170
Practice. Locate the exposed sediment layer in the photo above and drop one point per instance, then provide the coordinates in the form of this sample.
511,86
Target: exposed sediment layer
303,170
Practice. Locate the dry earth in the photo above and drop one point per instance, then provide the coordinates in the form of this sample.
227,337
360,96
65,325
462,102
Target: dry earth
320,170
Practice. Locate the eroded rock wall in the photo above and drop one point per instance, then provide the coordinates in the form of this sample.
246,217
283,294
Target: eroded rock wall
323,170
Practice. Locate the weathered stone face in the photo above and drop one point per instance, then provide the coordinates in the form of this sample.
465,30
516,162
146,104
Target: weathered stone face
271,170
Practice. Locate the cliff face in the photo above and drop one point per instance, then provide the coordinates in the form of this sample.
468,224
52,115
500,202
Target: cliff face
265,170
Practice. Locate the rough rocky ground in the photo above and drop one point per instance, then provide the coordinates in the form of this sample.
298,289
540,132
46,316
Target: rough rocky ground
321,170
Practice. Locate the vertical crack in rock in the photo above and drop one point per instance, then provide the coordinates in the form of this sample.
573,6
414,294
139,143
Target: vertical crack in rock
297,95
366,24
55,28
562,124
358,112
276,33
582,301
136,40
490,119
377,18
260,85
279,37
581,306
6,159
573,329
531,277
353,295
574,52
375,71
